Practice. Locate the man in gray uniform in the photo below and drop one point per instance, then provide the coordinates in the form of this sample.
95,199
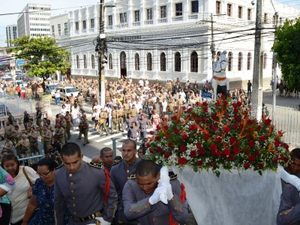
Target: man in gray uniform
121,172
84,189
142,197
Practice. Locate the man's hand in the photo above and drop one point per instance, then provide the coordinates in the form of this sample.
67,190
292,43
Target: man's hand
102,221
165,181
155,197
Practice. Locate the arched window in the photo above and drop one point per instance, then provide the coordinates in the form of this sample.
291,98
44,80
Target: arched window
110,63
194,62
177,62
265,61
137,61
93,61
163,63
240,61
149,62
77,61
249,61
84,62
230,61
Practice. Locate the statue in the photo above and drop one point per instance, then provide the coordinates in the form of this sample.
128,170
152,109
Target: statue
219,81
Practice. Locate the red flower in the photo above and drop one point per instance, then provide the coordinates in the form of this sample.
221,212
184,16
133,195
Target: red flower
166,127
262,138
218,153
168,136
258,128
148,145
184,136
214,128
246,150
170,144
159,149
236,150
158,127
232,140
151,132
231,157
226,151
182,161
256,152
249,122
226,129
151,150
200,163
167,155
174,118
235,110
238,104
213,147
198,145
157,138
197,121
201,151
176,131
251,158
235,126
193,127
251,143
246,165
275,160
212,164
267,121
277,143
193,154
206,136
261,165
214,116
182,148
219,139
194,114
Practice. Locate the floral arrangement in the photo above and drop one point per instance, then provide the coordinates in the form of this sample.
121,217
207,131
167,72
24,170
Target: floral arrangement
218,135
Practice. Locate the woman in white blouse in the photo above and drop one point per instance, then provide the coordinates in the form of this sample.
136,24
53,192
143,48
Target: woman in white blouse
19,196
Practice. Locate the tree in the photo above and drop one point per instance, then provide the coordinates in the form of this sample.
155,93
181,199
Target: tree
287,47
42,54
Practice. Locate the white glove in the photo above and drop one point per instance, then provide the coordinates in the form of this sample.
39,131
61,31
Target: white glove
102,221
155,197
165,181
291,179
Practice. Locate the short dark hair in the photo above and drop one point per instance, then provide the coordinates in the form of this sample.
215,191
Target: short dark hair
129,141
147,167
105,149
70,149
296,153
8,157
47,162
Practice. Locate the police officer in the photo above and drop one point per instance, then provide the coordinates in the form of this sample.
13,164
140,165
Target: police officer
23,146
133,111
120,112
142,197
78,182
143,122
47,138
9,130
84,128
38,116
33,139
114,124
120,173
60,133
102,121
126,108
63,124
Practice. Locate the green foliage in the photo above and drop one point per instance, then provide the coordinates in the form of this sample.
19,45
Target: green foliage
42,54
287,47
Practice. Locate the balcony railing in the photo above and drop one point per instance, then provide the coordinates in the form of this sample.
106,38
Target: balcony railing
162,20
136,24
193,16
122,25
177,18
148,22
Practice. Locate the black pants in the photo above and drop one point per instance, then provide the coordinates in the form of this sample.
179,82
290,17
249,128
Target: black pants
6,212
17,223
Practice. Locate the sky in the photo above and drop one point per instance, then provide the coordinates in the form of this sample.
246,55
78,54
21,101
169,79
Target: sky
15,6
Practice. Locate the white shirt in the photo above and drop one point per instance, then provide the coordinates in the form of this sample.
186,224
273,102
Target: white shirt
18,196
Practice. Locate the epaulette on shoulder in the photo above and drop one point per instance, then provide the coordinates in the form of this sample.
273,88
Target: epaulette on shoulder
60,166
173,175
96,165
117,161
132,176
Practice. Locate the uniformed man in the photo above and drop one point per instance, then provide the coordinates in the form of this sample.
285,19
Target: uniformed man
40,92
26,119
63,124
129,121
8,146
120,173
47,138
133,132
142,197
30,124
38,116
84,129
23,146
133,111
107,157
114,122
126,108
28,92
33,139
9,130
120,112
102,122
78,182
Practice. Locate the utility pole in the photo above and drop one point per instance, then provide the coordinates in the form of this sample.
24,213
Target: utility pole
257,67
101,49
212,45
274,71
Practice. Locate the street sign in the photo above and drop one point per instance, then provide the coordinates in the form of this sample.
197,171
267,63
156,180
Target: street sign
206,94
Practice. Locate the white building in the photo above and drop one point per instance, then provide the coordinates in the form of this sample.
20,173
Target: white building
11,34
59,26
34,20
169,39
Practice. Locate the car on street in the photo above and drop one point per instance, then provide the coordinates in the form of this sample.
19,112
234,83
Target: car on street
20,82
67,91
51,88
7,80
